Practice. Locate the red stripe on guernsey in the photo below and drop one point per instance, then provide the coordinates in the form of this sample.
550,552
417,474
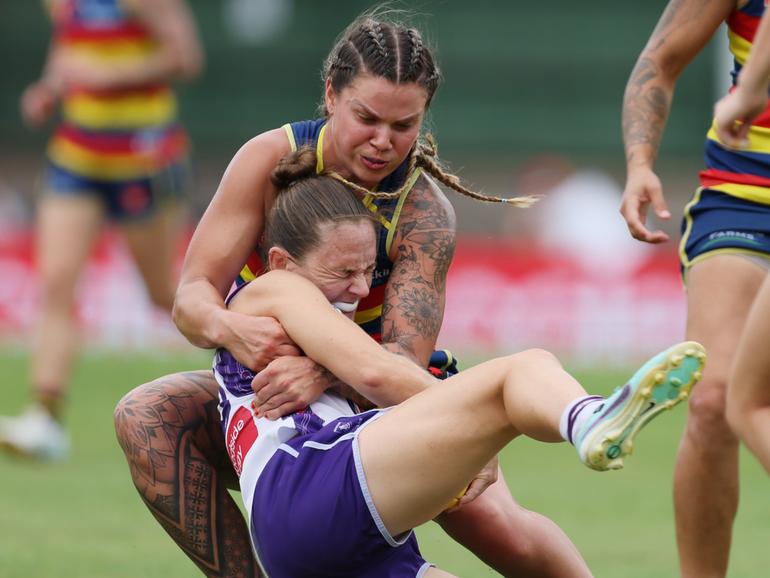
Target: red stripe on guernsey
763,119
255,264
117,93
374,299
173,141
711,177
105,142
79,32
241,435
743,24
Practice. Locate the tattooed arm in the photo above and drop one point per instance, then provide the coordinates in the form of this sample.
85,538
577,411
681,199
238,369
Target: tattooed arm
422,250
682,31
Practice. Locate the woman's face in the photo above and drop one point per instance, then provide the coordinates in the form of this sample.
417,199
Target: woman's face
373,124
342,264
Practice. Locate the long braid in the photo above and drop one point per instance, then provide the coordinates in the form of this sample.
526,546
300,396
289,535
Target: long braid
424,156
427,159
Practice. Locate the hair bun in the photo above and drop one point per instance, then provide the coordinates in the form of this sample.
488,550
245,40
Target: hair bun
296,165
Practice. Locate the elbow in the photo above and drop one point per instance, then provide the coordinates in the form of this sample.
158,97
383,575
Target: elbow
371,381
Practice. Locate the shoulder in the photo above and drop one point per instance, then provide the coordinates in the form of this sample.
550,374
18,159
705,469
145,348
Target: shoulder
264,294
427,205
251,166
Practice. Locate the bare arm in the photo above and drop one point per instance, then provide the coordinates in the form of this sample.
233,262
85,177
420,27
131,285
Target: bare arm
332,340
422,251
227,233
735,112
39,99
179,55
682,31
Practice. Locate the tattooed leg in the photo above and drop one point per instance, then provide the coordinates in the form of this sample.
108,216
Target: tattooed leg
169,431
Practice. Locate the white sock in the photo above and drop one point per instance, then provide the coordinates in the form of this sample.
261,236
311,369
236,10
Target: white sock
576,412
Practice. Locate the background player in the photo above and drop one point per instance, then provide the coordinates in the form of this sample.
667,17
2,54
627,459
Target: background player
724,255
118,152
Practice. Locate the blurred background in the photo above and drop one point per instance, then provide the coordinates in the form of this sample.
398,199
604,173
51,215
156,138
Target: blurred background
530,103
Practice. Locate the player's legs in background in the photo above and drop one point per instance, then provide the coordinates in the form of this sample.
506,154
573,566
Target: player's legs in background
66,229
153,243
512,539
748,391
720,291
170,432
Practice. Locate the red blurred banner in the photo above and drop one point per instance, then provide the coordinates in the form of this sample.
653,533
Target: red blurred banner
502,296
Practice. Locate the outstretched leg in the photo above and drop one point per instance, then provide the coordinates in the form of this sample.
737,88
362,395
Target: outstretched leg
170,433
447,434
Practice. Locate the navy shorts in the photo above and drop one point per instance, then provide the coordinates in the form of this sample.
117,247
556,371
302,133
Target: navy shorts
312,514
718,223
124,200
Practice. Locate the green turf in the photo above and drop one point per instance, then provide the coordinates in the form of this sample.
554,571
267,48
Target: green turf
84,518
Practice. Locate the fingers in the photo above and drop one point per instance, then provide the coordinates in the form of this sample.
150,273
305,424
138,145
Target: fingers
284,409
733,133
287,349
641,194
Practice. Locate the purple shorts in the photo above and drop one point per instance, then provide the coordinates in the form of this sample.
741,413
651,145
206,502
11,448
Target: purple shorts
312,514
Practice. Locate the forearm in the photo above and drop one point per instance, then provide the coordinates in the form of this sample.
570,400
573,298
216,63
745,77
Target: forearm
755,76
646,106
198,313
332,340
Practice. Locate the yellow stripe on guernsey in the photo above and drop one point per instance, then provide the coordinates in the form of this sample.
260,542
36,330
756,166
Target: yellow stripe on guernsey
368,315
125,109
739,46
128,111
759,139
759,142
319,147
112,166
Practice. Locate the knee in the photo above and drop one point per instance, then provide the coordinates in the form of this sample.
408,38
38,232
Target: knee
531,358
57,290
127,419
707,415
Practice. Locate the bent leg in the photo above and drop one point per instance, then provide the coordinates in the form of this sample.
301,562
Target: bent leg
748,392
720,292
170,433
449,432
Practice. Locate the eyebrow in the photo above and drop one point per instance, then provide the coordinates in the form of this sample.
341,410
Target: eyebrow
411,117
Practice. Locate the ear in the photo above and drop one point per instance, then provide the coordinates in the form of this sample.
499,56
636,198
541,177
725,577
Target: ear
278,258
329,96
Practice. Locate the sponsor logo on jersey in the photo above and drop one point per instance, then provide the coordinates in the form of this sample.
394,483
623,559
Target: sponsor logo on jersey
342,426
241,435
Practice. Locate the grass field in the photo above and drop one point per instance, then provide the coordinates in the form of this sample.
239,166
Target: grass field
84,518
